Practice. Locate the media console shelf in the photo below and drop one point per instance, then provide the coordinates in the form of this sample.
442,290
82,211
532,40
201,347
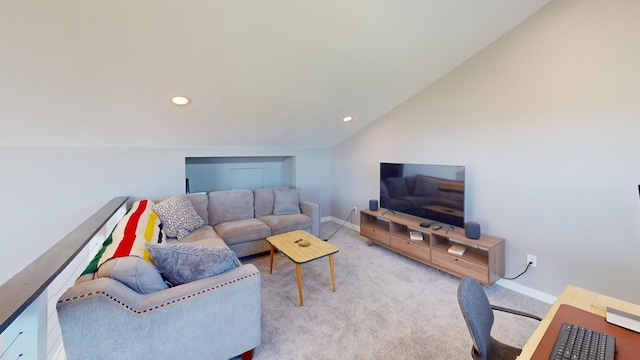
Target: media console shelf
483,259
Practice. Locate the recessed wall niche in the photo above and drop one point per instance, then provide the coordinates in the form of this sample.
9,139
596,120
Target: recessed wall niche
223,173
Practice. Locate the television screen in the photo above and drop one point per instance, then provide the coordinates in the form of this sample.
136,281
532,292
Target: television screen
433,192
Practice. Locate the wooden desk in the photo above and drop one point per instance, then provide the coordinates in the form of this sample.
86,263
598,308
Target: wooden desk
582,299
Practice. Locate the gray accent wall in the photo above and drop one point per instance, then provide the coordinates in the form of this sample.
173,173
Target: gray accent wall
546,120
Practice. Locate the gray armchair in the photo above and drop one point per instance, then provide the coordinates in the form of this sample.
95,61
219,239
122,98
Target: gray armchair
478,313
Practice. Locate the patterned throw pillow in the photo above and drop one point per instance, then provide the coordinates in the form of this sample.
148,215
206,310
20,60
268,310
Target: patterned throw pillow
184,262
178,216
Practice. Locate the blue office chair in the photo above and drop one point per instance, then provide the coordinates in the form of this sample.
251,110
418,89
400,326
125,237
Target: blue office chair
478,313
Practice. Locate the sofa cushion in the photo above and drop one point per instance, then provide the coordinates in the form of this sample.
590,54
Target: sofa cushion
238,231
210,242
230,205
183,262
178,216
203,236
284,223
204,232
287,201
138,274
264,199
138,226
200,202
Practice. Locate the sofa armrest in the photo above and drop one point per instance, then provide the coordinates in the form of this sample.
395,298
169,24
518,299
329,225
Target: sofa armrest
312,210
215,317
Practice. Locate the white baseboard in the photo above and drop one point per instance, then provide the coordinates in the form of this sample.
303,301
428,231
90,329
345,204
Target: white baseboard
525,290
341,222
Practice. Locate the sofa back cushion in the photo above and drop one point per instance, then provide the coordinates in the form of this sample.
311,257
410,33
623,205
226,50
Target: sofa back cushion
230,205
200,202
264,199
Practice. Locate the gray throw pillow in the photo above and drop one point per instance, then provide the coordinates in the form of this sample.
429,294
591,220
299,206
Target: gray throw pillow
287,201
184,262
138,274
178,216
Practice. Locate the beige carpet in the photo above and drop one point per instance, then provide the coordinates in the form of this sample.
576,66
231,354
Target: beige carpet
386,307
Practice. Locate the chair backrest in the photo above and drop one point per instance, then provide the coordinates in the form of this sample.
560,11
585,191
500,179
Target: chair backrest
477,312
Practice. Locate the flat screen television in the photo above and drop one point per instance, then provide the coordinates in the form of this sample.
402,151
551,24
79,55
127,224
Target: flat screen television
432,192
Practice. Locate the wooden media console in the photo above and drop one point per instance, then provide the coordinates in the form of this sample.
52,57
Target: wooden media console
483,258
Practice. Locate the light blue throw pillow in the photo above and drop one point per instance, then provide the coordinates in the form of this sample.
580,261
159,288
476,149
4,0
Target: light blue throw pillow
184,262
287,201
135,272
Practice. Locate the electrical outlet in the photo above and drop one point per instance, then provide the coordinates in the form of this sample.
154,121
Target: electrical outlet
532,259
354,210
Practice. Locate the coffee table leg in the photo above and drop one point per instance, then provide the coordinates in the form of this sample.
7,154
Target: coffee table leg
299,274
333,277
273,249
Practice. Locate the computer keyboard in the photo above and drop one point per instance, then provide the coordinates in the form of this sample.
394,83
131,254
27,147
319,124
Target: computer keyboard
577,342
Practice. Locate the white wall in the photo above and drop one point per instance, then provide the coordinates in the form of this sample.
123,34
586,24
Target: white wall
546,120
47,192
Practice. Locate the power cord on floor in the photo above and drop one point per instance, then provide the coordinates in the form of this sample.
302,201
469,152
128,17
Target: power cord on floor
525,270
341,226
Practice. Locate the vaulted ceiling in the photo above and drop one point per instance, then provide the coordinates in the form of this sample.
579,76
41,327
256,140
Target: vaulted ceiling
259,73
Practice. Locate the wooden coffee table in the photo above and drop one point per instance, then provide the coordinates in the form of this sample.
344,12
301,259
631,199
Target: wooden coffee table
288,244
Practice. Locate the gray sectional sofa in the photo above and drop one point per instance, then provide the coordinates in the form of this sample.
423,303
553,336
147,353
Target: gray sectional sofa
120,311
245,218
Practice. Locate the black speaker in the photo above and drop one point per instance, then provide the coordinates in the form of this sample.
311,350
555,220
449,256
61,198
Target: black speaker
472,230
373,205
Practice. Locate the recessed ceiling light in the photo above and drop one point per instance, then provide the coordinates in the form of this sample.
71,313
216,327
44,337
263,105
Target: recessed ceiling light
180,100
347,118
